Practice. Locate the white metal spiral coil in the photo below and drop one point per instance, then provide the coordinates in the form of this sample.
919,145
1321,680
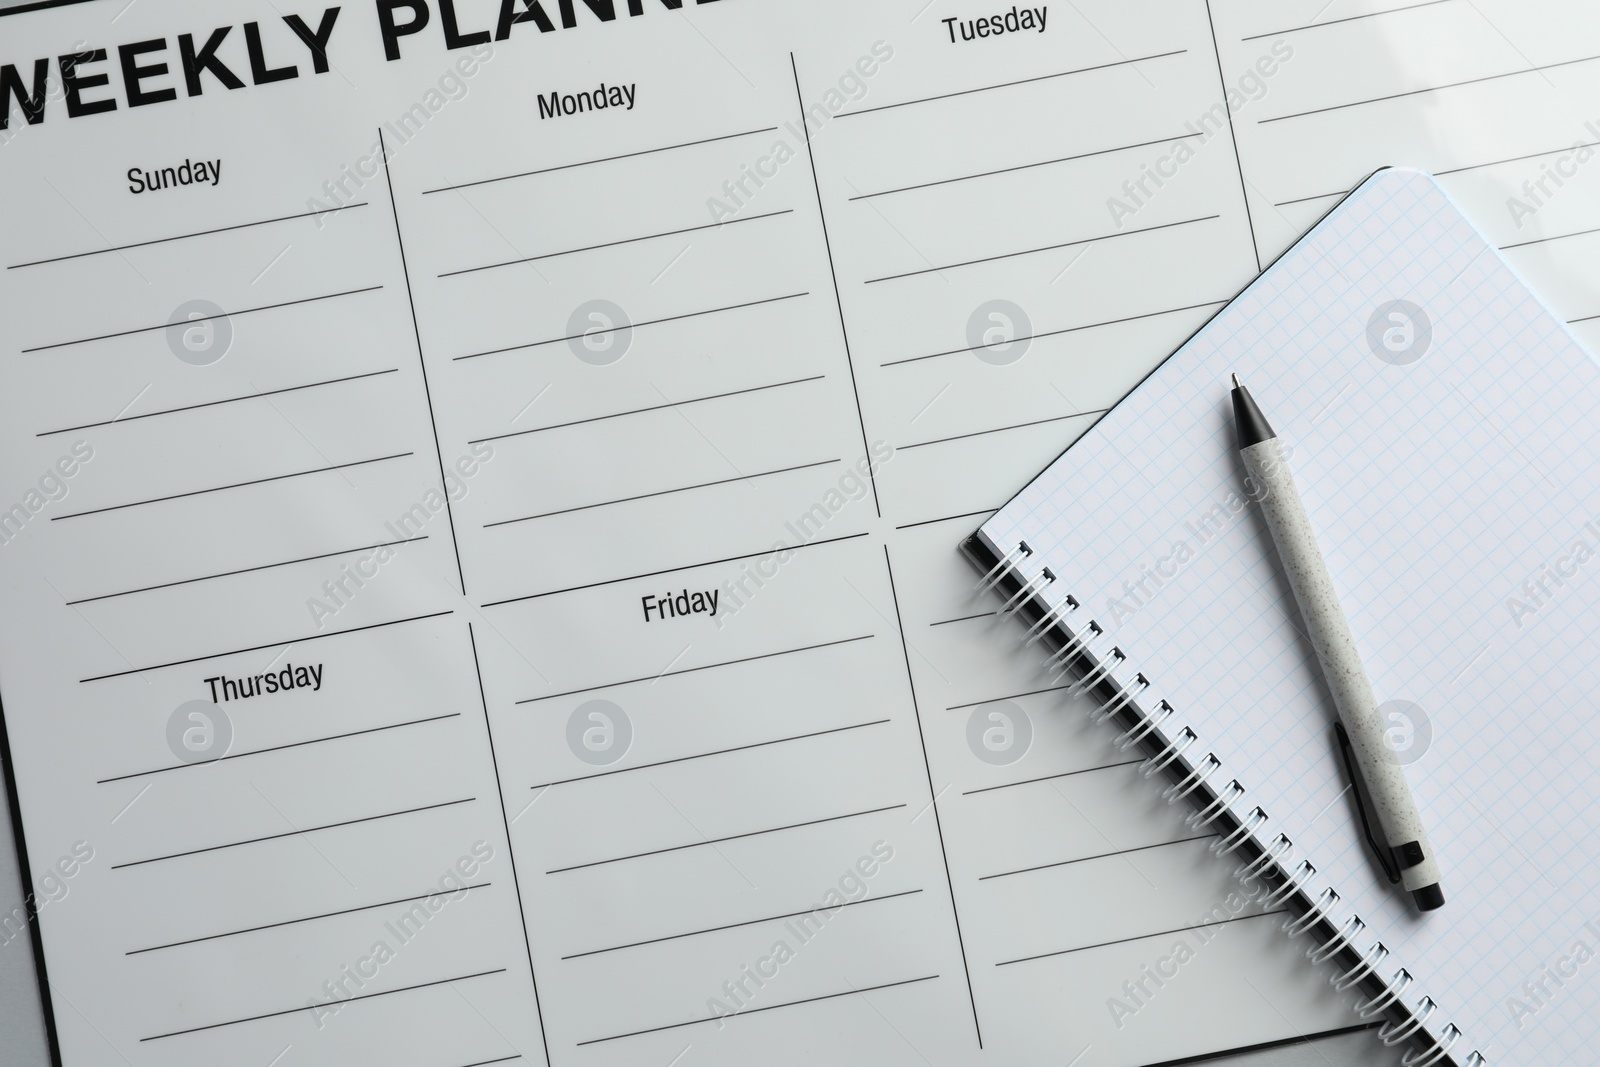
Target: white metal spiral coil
1432,1054
1076,654
1196,778
997,574
1392,1033
1051,617
1025,593
1340,941
1225,799
1169,753
1246,829
1126,695
1142,729
1376,1005
1318,911
1295,882
1097,674
1363,969
1250,870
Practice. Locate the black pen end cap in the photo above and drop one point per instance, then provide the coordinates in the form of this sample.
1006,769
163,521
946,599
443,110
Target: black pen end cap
1429,897
1251,425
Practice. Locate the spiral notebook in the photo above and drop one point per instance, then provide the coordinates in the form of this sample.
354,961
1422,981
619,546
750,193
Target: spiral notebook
1445,432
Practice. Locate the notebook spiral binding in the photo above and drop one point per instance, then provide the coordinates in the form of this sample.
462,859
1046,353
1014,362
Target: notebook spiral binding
1078,650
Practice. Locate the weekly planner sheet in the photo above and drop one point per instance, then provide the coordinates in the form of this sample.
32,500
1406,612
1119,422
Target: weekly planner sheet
481,481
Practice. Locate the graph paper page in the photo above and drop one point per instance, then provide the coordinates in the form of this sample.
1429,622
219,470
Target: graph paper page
1440,422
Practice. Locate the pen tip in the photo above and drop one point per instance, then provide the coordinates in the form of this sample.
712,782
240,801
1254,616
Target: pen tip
1237,384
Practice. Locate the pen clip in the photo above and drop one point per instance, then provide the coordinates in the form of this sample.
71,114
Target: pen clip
1385,860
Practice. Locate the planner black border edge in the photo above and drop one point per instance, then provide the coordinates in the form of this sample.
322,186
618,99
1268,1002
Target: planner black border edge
39,5
1321,932
30,902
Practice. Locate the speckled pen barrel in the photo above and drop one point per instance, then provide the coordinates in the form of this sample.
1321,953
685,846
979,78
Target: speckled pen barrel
1335,646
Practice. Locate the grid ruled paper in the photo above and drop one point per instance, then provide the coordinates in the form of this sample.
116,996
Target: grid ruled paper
1450,470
